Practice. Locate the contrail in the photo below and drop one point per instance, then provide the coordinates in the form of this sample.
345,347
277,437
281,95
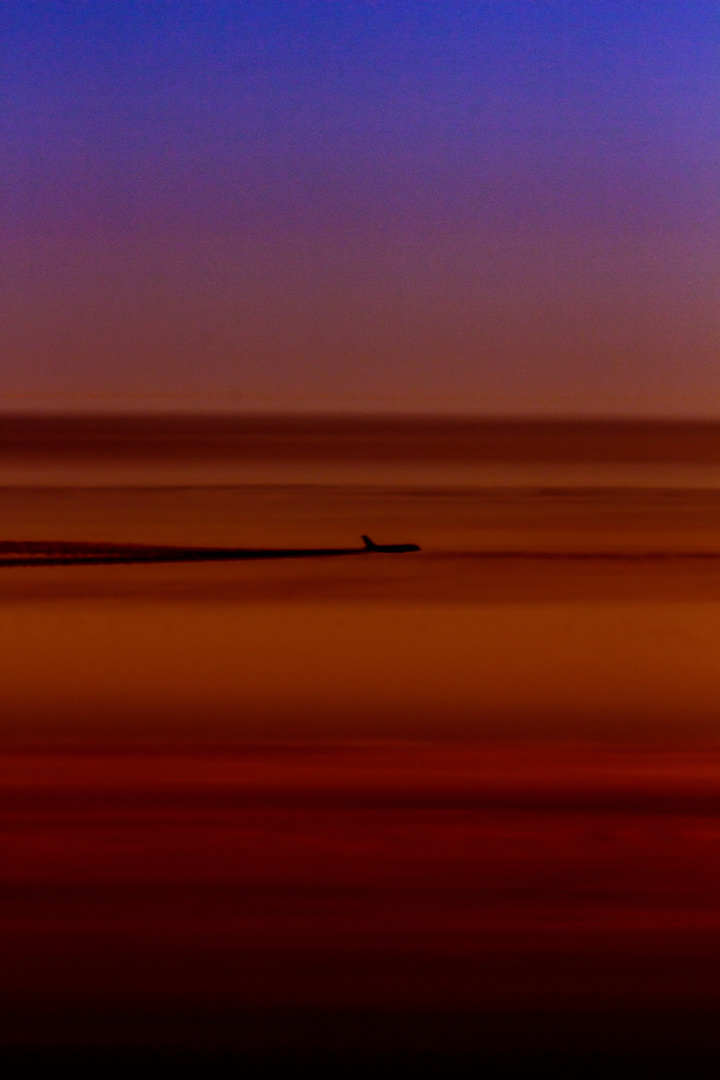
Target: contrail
68,553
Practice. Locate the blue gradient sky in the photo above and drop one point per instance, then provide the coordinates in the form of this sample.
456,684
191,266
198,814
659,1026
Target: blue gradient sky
487,207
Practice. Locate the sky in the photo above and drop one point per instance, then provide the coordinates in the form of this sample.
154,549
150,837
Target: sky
487,207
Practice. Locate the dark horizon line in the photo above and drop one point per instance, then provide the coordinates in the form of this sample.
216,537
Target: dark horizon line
359,437
360,415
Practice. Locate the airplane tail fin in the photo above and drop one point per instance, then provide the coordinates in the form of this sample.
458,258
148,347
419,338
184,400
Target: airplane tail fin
388,549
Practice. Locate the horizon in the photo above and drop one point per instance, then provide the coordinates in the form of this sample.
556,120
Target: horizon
144,410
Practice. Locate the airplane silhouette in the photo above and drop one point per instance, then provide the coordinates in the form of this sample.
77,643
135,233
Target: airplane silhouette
39,553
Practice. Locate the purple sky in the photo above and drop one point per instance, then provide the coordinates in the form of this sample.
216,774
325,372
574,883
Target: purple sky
461,205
